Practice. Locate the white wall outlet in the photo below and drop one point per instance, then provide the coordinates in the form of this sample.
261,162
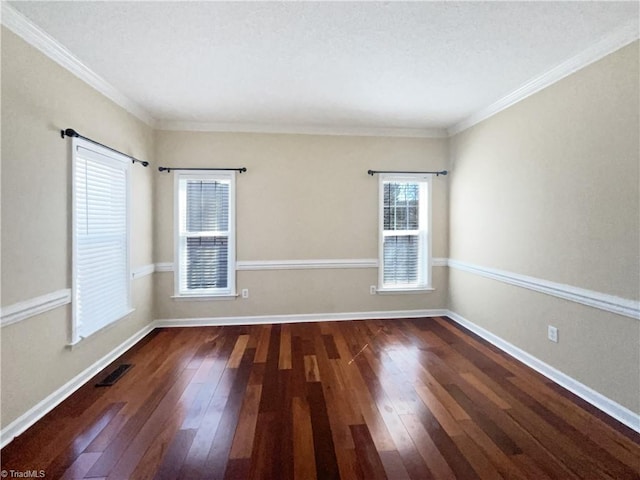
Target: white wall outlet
372,289
552,333
245,293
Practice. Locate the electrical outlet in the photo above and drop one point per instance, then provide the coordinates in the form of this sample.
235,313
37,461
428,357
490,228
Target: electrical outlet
245,293
372,289
552,333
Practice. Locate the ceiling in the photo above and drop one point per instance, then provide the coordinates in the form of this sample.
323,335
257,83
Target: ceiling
420,66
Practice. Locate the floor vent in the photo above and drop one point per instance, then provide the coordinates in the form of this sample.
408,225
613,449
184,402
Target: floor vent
114,376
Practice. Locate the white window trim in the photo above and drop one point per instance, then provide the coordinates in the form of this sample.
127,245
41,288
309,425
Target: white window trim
77,142
230,292
425,262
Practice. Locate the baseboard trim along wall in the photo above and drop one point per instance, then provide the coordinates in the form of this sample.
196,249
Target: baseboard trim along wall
303,318
608,406
35,413
31,416
591,298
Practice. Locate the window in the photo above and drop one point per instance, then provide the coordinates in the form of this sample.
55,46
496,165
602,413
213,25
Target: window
405,250
205,243
100,237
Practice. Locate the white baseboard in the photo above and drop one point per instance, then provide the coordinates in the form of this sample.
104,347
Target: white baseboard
608,406
38,411
308,317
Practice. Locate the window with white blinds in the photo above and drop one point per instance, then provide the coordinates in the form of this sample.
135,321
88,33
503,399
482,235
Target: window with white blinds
205,244
101,272
404,232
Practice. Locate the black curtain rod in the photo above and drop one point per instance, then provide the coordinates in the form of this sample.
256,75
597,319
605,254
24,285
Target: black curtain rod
168,169
70,132
437,174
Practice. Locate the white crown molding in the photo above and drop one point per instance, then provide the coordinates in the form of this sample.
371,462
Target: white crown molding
293,318
143,271
602,301
34,306
605,46
39,39
353,131
39,410
610,407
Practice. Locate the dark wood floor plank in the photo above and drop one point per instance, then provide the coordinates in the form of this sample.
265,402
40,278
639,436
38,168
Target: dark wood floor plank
173,460
218,457
324,452
398,399
368,457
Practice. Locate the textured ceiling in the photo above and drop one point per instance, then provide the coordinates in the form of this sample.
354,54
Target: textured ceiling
419,65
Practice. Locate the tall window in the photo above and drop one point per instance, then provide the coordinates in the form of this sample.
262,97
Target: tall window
405,249
100,237
205,244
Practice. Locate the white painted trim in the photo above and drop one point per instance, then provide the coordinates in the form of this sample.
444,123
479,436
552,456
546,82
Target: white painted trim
306,264
602,301
42,41
143,271
354,131
163,267
608,406
401,291
254,265
605,46
43,407
439,262
34,306
38,411
302,318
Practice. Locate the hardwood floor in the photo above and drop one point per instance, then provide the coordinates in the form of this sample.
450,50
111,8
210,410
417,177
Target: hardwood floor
396,399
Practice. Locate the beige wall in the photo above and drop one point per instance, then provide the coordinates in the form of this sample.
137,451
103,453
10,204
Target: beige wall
303,197
38,99
547,188
550,188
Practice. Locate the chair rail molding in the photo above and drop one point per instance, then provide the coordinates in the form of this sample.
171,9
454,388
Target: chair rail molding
311,264
34,306
603,301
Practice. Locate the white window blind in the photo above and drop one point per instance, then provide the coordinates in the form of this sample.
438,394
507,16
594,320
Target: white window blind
101,272
206,230
404,231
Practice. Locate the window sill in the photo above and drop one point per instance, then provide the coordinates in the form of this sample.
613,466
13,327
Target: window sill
80,341
403,291
204,298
